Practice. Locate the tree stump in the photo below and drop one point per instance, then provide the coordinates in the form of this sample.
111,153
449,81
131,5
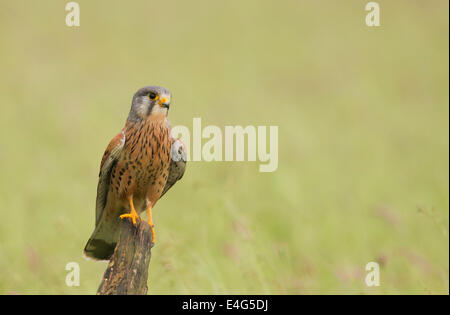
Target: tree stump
127,271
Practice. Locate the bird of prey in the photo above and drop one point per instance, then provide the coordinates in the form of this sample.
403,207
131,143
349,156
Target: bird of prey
139,166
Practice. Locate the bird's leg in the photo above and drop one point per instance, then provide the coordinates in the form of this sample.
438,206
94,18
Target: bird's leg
150,222
133,214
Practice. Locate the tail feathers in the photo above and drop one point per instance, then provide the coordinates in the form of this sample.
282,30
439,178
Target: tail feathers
102,243
98,249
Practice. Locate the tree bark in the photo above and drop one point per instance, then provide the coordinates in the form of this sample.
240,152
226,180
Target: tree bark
127,271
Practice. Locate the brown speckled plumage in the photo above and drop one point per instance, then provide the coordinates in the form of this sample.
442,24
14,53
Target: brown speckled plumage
143,167
141,163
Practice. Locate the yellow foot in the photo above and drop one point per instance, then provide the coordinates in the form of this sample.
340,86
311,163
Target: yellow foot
152,228
150,221
133,215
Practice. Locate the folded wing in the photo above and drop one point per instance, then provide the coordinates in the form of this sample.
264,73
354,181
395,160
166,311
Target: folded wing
177,164
110,157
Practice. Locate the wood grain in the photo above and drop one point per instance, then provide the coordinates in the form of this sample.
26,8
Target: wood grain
127,271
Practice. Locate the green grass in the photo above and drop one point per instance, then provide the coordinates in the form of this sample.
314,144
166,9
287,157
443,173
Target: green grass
363,118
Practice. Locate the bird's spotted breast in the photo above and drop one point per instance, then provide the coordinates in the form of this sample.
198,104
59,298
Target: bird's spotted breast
143,167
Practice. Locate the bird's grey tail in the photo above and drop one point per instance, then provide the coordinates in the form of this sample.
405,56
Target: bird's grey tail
102,242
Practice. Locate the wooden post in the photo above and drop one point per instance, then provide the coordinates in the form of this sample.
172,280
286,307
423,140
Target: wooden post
127,271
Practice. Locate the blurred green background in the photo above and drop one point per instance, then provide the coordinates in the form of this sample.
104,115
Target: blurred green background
363,116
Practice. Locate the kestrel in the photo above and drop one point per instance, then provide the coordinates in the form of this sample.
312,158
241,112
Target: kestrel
139,166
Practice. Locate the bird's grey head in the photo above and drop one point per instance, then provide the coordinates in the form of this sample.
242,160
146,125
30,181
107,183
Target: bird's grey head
148,101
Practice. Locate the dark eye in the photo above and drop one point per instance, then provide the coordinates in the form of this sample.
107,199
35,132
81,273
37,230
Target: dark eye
152,96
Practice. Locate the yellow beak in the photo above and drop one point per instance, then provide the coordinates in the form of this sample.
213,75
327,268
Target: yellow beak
164,102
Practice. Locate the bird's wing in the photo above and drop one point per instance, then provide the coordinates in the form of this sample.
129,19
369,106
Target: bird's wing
177,164
109,159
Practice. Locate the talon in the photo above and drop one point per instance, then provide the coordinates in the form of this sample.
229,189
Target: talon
150,222
152,229
133,214
133,217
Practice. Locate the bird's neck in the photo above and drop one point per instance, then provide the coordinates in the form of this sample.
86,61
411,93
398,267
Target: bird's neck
153,119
